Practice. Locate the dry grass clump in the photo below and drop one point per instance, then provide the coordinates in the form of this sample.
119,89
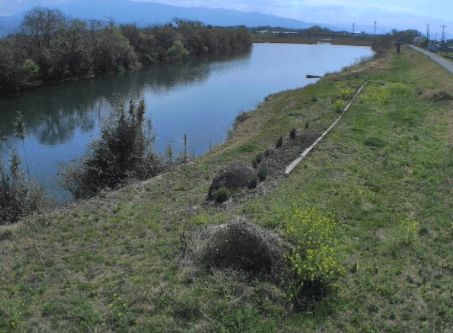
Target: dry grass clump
438,96
238,245
240,118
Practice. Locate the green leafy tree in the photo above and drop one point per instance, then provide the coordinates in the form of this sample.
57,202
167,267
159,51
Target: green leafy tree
30,67
178,49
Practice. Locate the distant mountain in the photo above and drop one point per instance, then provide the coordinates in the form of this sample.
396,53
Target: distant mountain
149,13
143,14
10,24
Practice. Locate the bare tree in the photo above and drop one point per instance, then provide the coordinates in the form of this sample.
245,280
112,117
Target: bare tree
43,23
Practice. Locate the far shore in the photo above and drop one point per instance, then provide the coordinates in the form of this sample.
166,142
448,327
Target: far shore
306,40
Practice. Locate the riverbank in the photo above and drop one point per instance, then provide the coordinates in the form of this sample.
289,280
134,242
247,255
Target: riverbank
32,60
369,41
112,263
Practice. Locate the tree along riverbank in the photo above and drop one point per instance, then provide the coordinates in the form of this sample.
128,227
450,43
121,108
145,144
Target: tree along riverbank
53,48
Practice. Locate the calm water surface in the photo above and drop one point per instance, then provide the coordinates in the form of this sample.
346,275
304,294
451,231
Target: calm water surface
200,97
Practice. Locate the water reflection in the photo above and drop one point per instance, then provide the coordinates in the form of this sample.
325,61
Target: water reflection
199,97
53,113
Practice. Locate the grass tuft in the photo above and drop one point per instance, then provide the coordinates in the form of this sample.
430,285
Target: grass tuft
262,174
279,142
375,142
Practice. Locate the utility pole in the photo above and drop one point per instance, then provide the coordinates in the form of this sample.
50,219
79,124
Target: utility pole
443,37
375,27
353,28
427,32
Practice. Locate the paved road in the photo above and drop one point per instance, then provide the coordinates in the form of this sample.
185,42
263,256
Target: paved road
440,60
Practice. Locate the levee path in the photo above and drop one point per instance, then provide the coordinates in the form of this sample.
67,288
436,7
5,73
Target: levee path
441,61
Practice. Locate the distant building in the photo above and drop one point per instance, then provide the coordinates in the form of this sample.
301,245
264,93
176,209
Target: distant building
359,34
418,41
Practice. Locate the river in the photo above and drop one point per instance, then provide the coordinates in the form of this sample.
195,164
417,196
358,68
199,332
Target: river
199,97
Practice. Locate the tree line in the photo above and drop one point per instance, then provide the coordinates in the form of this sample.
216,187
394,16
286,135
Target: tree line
51,47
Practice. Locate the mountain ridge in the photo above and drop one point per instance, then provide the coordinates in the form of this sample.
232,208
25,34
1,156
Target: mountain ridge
145,14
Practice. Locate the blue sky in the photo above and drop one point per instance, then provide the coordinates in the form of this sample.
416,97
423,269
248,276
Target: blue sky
400,14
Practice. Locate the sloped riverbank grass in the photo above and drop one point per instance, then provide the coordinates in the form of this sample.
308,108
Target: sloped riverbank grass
384,174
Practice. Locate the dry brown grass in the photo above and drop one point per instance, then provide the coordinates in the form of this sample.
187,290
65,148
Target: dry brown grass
239,245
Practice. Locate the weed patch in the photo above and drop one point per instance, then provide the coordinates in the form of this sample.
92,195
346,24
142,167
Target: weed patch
248,148
375,142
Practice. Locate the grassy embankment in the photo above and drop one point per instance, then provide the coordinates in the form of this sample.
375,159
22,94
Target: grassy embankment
385,171
447,55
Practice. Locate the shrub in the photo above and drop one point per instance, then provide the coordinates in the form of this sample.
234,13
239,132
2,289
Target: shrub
292,133
262,174
307,125
279,142
18,197
123,151
315,256
222,195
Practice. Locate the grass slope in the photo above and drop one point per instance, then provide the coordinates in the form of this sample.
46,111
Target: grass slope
111,263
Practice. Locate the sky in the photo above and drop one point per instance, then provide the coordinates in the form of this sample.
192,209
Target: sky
399,14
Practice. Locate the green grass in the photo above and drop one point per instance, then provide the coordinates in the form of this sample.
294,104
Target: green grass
385,173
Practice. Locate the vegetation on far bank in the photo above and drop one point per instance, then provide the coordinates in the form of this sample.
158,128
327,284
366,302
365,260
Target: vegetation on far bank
314,39
378,187
54,48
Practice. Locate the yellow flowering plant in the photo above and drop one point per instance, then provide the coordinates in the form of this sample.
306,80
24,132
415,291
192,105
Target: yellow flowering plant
347,93
409,230
316,254
339,105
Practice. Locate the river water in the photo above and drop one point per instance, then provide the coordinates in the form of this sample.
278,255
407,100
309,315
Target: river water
199,97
